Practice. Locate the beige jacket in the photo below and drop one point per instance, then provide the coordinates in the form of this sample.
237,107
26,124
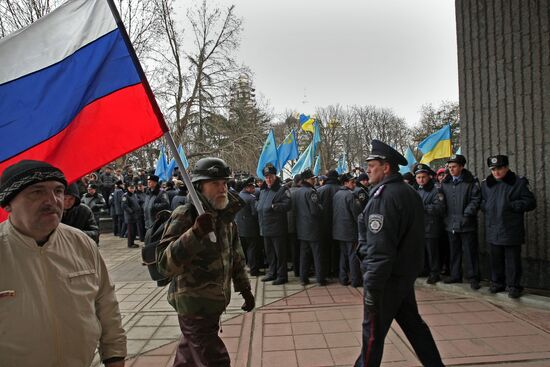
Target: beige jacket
64,302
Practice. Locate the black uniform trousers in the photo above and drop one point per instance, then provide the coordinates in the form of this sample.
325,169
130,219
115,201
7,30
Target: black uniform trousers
464,242
506,265
294,246
132,231
141,228
275,251
398,302
350,264
434,264
200,344
309,249
253,251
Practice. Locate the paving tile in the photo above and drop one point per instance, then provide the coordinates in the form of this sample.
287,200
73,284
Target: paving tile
505,344
298,301
277,329
337,340
334,326
344,356
271,343
309,341
451,332
167,332
473,347
316,300
535,343
231,330
274,318
160,347
314,358
474,306
279,359
141,332
392,354
329,315
151,320
303,316
151,361
232,344
492,316
299,328
134,347
448,350
355,324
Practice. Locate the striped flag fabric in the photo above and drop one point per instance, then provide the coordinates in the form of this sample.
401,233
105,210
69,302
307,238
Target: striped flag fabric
72,92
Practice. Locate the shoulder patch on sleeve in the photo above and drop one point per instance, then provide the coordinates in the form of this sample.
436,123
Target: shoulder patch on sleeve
441,197
376,222
379,191
314,197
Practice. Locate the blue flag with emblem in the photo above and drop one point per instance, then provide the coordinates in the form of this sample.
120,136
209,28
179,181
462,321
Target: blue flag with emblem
288,149
172,163
342,164
161,169
268,155
316,136
411,160
304,161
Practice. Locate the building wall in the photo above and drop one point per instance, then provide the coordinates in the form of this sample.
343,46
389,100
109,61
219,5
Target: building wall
504,82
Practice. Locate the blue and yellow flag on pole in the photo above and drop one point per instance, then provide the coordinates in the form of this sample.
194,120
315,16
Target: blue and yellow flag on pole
268,155
307,123
288,149
437,145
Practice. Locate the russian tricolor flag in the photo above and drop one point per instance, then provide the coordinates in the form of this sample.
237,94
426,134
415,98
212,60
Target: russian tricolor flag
72,92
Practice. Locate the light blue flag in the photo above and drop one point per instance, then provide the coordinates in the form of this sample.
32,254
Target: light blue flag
317,167
411,160
342,165
173,163
161,169
316,136
304,161
459,150
288,149
268,155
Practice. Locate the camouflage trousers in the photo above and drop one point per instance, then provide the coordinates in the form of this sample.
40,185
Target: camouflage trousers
200,344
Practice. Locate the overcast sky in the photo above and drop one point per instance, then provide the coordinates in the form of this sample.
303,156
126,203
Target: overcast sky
398,54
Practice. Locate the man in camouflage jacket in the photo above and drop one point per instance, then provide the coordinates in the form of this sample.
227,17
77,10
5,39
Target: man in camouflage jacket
202,270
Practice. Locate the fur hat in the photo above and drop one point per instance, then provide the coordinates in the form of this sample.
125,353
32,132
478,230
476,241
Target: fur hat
25,173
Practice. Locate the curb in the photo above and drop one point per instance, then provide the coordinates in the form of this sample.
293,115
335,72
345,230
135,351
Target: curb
526,299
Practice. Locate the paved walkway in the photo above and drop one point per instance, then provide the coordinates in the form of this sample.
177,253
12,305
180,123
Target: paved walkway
321,326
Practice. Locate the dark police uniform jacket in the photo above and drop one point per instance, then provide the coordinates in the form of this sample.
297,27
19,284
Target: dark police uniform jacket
462,200
504,203
346,207
391,233
434,209
308,213
131,208
326,193
247,217
116,201
80,216
272,206
362,194
155,201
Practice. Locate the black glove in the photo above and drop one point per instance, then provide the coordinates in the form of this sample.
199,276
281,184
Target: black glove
249,302
203,225
373,299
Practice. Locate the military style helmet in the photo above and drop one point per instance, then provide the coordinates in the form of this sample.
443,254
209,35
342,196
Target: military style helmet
210,168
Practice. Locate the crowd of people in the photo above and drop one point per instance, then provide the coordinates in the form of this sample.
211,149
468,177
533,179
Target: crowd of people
376,229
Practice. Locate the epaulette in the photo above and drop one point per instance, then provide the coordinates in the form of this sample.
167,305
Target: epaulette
379,191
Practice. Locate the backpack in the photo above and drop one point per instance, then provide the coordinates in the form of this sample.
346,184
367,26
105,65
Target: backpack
149,250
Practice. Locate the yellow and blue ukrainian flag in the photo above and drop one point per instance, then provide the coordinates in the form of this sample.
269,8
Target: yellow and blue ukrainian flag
437,145
307,123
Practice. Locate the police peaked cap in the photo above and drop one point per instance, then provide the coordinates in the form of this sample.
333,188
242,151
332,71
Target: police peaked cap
383,151
153,178
269,170
497,161
307,173
458,158
345,177
363,177
423,168
250,181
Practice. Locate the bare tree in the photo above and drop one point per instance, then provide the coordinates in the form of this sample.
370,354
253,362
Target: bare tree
16,14
434,118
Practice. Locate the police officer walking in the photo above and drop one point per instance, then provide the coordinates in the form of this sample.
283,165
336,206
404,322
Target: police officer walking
307,209
434,209
462,199
131,209
155,201
329,247
391,246
272,206
505,200
346,207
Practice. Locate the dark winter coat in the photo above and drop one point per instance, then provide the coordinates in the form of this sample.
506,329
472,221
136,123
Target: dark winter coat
362,194
307,213
391,233
434,209
346,207
272,206
116,201
131,208
462,200
155,201
80,216
326,193
291,215
179,199
504,203
247,217
107,181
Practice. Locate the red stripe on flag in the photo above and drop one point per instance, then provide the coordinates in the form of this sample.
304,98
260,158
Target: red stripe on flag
103,131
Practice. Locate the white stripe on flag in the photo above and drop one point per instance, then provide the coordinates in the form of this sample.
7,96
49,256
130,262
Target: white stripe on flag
54,37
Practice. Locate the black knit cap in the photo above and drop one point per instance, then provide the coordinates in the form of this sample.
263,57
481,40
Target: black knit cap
25,173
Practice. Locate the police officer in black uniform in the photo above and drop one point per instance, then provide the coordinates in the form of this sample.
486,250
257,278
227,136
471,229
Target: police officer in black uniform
308,215
391,246
505,200
272,206
247,224
462,199
434,209
362,189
